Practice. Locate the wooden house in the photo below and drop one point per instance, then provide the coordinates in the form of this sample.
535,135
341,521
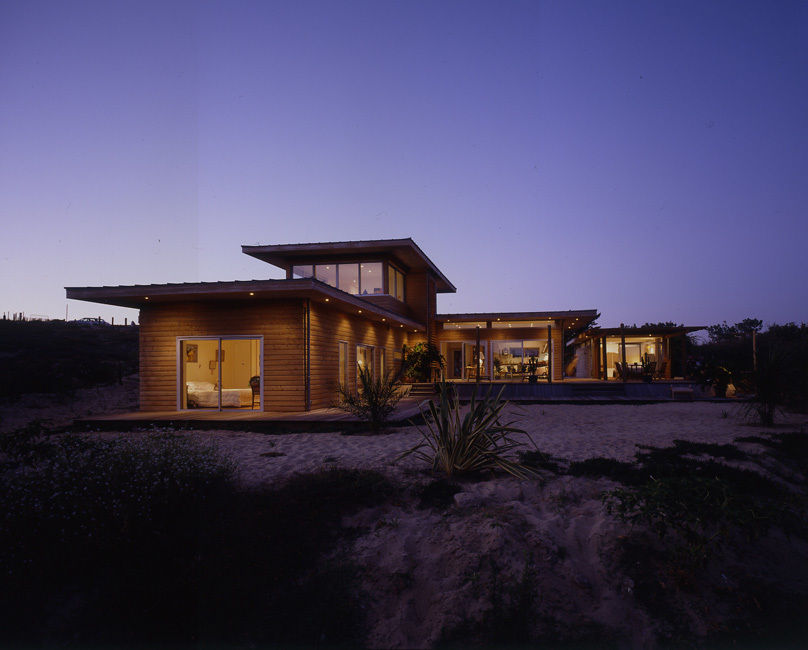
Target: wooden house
284,345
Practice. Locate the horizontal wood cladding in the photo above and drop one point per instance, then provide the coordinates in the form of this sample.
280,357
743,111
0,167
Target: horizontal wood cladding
280,322
391,304
328,328
416,293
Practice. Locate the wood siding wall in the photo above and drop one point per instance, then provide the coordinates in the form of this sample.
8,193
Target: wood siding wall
280,322
391,304
417,295
328,328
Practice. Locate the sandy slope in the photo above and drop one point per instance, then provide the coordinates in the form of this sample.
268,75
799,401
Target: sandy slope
429,571
572,432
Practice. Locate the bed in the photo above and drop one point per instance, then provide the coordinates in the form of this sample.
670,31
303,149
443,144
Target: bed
203,394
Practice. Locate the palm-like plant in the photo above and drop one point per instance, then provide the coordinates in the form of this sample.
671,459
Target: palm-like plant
477,441
375,399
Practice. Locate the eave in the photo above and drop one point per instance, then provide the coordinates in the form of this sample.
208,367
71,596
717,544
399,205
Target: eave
405,251
144,295
584,316
598,332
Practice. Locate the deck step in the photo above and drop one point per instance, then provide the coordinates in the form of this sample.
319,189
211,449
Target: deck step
615,389
422,390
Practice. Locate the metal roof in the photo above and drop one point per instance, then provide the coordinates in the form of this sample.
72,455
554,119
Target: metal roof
600,332
405,251
142,295
581,314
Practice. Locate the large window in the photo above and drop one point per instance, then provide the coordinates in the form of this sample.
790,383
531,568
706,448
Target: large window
512,360
354,278
348,278
326,273
364,360
395,282
219,373
639,351
371,281
463,360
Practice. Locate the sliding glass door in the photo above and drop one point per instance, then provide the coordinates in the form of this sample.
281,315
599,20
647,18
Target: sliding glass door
216,372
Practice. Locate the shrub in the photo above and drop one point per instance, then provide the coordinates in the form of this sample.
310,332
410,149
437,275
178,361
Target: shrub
419,359
695,504
125,542
770,384
375,400
464,444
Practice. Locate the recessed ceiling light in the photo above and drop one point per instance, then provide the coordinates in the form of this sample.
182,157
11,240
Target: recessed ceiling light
252,293
327,299
384,319
146,298
360,311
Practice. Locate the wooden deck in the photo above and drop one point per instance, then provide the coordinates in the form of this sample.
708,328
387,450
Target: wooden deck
328,419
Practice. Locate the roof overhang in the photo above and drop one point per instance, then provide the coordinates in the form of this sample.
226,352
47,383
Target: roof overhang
582,316
145,295
664,332
404,251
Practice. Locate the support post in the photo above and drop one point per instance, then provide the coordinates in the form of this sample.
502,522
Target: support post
549,354
477,359
684,354
623,350
594,353
605,368
668,358
307,355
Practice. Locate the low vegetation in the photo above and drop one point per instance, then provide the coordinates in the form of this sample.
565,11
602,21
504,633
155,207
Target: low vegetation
59,357
772,372
420,359
478,440
150,540
374,401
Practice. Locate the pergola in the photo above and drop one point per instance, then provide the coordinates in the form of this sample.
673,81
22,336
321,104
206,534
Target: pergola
597,339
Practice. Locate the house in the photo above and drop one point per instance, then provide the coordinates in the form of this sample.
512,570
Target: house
284,345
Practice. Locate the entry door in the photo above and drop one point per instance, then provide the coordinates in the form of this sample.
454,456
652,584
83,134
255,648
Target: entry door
220,373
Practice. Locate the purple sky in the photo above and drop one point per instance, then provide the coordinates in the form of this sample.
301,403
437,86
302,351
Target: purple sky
646,159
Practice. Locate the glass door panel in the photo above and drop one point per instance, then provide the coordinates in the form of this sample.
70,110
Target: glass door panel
240,374
453,354
364,360
472,360
199,374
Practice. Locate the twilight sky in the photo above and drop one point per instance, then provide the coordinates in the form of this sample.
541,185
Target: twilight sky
646,159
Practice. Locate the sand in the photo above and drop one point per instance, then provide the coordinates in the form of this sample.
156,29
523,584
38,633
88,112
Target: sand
427,572
571,432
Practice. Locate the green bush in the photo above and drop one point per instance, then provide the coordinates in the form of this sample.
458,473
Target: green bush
695,504
464,444
58,357
110,542
375,400
419,361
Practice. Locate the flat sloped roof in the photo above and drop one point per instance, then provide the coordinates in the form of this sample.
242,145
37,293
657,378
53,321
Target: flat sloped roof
142,295
583,315
405,251
651,330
